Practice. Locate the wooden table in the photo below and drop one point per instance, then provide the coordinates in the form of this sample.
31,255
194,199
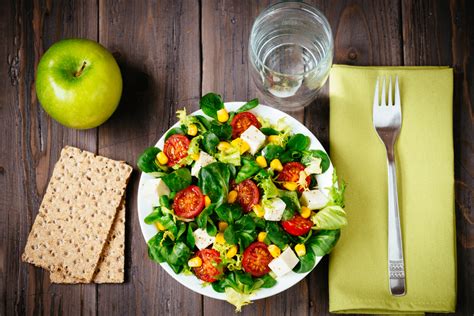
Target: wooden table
170,53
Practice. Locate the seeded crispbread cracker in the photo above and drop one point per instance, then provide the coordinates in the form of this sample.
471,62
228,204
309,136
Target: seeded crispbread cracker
76,214
111,263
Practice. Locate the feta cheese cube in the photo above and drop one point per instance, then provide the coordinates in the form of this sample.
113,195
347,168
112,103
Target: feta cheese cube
314,199
284,263
203,239
254,138
274,210
203,160
153,189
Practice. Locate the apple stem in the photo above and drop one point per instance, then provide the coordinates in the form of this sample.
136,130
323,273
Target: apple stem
79,72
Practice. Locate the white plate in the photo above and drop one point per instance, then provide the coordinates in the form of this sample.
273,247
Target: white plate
190,281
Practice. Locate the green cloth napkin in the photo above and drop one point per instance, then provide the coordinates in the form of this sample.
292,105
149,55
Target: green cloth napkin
358,273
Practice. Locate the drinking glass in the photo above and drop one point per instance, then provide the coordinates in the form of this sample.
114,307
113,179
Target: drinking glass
290,54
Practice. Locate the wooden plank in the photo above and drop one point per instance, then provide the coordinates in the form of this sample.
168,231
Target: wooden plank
157,47
34,141
447,40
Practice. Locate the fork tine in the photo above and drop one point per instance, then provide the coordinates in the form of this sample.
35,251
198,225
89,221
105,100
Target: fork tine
390,91
397,93
383,102
376,93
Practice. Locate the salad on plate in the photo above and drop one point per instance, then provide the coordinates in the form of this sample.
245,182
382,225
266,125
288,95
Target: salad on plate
236,201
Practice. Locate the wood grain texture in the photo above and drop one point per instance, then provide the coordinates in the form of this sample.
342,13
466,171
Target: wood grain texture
34,142
171,52
157,47
439,33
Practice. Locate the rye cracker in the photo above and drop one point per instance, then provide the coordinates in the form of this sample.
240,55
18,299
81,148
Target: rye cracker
76,214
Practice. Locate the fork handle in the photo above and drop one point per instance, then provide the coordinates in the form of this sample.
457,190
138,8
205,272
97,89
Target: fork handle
396,265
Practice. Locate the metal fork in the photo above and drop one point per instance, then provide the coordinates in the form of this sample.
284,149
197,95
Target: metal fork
387,120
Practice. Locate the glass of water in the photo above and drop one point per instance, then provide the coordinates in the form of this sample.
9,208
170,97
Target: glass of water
290,54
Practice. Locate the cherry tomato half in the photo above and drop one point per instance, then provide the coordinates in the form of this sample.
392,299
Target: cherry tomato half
242,121
247,194
297,226
189,202
176,148
291,173
256,259
208,271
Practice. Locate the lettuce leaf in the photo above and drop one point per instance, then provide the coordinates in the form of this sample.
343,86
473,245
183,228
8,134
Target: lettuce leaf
330,217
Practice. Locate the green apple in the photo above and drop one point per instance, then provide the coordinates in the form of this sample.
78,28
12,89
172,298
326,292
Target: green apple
78,83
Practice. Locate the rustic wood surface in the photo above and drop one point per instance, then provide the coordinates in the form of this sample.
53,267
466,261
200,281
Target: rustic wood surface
170,53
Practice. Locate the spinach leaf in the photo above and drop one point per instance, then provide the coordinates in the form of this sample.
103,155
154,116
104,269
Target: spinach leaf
269,131
179,256
181,229
147,161
229,212
204,121
268,281
290,155
248,106
222,131
298,142
210,142
242,232
190,237
306,262
202,219
308,155
174,130
211,228
153,216
214,181
277,235
324,241
178,179
248,169
289,209
271,152
317,245
210,104
154,248
165,201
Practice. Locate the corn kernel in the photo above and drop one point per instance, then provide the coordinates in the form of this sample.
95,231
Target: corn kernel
261,236
290,186
220,238
241,144
300,250
222,115
258,209
261,161
223,146
207,201
194,156
274,250
232,252
195,262
305,212
244,147
276,165
273,139
192,130
160,226
232,196
162,158
222,226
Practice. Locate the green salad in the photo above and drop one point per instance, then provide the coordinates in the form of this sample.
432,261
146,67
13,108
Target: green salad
236,200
